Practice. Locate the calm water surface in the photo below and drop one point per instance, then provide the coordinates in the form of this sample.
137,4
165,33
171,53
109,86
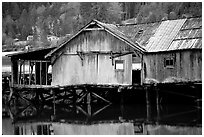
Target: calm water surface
169,115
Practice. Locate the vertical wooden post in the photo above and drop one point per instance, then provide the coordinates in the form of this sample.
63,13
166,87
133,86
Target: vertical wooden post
35,73
53,94
29,72
46,71
147,96
54,103
20,74
40,72
142,71
23,72
14,72
157,104
148,105
121,104
89,103
74,99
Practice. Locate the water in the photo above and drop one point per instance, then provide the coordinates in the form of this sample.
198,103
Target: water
107,119
128,113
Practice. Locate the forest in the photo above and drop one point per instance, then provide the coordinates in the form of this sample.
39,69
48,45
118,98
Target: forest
39,19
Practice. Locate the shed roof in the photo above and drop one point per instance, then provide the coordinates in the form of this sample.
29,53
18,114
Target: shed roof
189,36
167,35
110,28
37,54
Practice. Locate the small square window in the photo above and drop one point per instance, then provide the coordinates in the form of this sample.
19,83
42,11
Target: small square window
169,62
119,64
136,66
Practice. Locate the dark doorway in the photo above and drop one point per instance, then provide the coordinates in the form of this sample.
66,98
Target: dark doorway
136,76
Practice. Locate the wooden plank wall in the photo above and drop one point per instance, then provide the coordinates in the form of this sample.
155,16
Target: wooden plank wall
95,68
188,65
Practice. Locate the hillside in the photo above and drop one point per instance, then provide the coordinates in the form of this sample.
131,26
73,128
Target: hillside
40,19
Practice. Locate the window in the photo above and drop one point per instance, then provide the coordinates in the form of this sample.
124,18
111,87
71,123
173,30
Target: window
169,62
119,64
136,66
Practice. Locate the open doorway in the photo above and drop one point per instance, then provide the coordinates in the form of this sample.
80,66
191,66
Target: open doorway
136,70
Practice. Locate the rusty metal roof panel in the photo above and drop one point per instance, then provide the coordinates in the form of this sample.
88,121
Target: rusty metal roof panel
197,44
192,23
190,33
167,35
186,44
189,37
114,29
140,32
164,35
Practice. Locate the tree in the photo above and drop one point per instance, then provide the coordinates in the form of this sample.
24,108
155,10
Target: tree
15,10
9,26
23,24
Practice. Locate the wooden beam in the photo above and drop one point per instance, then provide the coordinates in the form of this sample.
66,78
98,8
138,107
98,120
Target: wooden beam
93,29
95,113
101,97
122,54
79,108
187,38
79,100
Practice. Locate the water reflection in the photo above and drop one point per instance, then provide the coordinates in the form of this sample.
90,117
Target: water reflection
42,116
174,114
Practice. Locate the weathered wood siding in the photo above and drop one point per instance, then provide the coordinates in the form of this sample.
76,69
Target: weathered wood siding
188,65
95,68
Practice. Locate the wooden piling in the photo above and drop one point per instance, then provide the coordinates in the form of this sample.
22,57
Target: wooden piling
54,111
89,103
147,96
157,104
148,105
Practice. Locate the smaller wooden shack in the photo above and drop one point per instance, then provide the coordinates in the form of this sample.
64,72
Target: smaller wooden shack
174,49
175,52
30,68
99,54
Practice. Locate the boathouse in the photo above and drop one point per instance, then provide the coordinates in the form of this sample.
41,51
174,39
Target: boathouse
99,54
104,54
174,49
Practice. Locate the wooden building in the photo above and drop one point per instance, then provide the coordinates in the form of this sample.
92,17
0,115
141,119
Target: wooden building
99,54
174,49
102,58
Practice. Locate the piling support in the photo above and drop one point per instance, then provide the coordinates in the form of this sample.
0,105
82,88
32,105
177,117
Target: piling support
148,105
54,110
121,105
157,104
89,103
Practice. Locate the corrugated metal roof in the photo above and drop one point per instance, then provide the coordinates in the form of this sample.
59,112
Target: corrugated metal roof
189,36
167,35
140,32
164,35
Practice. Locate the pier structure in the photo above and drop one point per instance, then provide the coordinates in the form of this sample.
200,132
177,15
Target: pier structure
100,61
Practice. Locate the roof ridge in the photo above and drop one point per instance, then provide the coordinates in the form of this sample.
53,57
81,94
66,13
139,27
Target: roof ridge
107,27
129,24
